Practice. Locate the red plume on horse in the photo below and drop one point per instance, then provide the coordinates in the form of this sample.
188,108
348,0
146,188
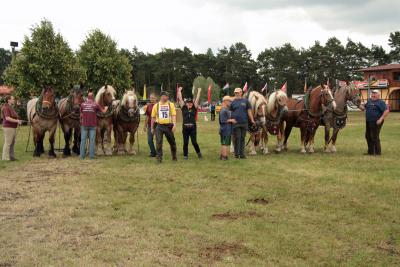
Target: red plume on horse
43,116
70,111
306,115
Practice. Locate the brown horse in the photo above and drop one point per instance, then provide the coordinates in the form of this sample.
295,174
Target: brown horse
126,120
43,116
70,111
306,115
276,110
336,118
104,98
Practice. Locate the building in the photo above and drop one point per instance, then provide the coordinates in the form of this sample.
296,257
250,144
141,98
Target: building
385,78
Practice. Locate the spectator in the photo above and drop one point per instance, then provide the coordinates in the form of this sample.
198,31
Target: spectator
147,125
10,124
225,131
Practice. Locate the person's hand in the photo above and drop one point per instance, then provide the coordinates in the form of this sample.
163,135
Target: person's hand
234,121
199,89
145,128
379,122
20,122
105,109
173,128
253,122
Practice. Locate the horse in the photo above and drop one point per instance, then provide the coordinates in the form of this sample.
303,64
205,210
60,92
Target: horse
276,109
126,120
258,107
306,115
70,112
43,116
104,98
336,118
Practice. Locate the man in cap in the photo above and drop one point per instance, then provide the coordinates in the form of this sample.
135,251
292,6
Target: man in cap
163,122
241,113
375,113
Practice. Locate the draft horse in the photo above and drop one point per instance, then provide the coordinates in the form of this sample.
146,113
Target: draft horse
70,112
43,116
258,107
104,98
306,115
336,118
126,121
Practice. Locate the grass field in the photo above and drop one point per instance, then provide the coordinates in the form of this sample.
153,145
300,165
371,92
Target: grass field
276,210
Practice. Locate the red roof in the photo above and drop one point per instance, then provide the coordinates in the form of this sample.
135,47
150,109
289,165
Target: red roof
5,90
381,67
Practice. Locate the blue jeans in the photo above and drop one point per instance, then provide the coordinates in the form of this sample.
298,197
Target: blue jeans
92,137
150,141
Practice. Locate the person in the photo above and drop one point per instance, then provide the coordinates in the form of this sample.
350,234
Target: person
163,122
189,127
10,124
147,125
225,128
375,113
89,123
212,111
241,112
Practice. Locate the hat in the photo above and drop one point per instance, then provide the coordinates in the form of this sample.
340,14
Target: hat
375,91
164,93
226,98
189,100
238,90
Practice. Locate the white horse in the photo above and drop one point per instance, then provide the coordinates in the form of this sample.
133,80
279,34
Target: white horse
258,107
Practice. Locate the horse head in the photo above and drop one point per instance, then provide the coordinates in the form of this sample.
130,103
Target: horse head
326,96
48,98
276,100
77,98
354,95
129,102
106,95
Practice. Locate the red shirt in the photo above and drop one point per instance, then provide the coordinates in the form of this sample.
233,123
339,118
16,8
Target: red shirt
88,113
8,111
149,108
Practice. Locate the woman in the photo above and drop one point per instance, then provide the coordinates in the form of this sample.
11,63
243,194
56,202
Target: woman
189,127
10,124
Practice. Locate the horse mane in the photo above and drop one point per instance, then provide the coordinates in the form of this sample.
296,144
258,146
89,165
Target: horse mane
102,91
272,99
259,100
125,97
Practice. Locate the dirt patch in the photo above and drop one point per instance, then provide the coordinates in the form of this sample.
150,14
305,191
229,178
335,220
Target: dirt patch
10,196
261,201
234,216
218,251
389,247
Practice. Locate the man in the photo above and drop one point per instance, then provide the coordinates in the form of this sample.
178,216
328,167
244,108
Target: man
163,122
147,125
375,114
10,124
212,111
88,124
241,112
225,128
189,127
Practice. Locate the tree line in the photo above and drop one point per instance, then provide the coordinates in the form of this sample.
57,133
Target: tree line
47,59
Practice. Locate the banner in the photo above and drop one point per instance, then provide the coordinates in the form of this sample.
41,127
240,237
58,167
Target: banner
209,94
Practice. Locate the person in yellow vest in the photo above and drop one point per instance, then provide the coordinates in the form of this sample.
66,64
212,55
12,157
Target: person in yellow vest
163,122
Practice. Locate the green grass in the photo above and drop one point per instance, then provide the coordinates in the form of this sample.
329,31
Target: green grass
320,209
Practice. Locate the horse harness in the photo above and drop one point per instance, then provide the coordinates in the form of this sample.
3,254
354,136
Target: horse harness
123,115
46,115
69,110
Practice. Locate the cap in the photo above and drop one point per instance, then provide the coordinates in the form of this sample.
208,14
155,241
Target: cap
189,100
226,98
375,91
164,93
238,90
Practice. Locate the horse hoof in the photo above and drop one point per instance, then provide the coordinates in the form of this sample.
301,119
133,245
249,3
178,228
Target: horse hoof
277,151
311,151
132,152
303,151
333,149
121,152
52,156
253,153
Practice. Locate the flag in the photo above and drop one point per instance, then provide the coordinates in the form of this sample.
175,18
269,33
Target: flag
265,88
176,92
226,87
209,94
284,87
144,92
245,88
305,85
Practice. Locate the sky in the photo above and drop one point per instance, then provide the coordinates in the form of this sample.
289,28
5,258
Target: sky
152,25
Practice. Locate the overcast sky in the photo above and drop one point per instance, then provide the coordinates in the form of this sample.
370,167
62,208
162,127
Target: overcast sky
151,25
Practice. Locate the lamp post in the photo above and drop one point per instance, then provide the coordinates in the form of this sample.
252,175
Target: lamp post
13,46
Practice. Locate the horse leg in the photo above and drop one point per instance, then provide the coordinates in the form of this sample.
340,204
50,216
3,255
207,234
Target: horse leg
327,136
278,148
303,140
121,141
252,145
99,138
132,150
311,144
77,140
36,142
288,130
52,138
107,141
266,143
67,138
334,137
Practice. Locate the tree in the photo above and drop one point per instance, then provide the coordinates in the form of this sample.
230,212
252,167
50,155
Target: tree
5,60
103,63
204,83
394,43
379,56
45,59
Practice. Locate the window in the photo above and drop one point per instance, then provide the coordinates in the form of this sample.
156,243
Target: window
396,76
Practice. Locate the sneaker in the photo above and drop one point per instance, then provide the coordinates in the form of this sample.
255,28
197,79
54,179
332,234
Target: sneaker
13,159
200,156
185,157
152,155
